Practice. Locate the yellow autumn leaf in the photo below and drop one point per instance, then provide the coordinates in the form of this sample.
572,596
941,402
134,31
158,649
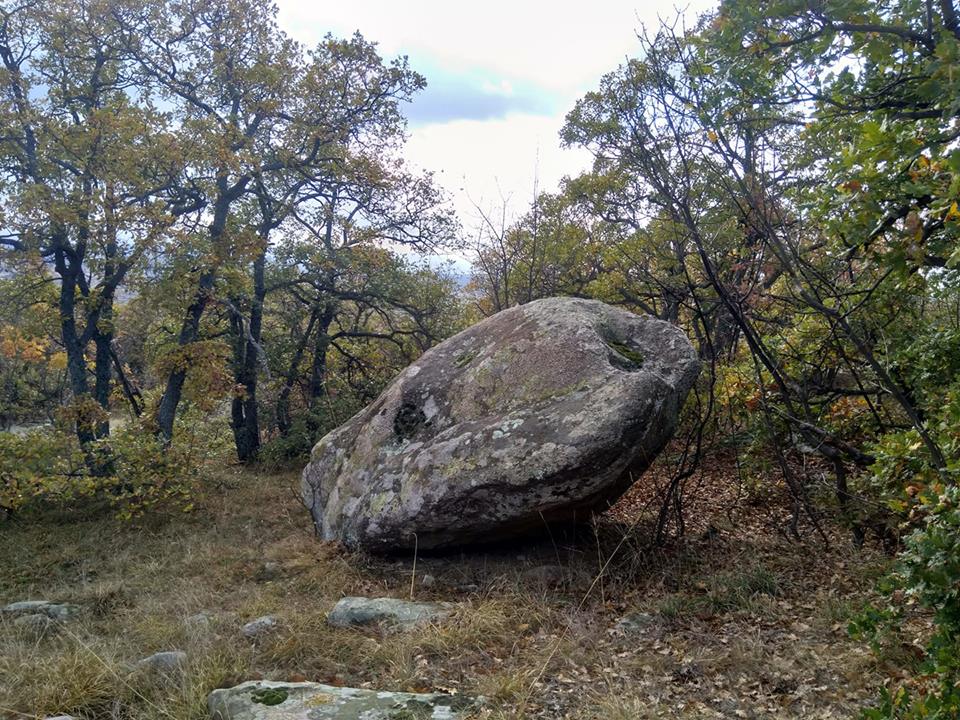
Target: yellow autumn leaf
58,361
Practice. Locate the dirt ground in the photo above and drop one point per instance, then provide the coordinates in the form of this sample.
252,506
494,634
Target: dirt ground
739,620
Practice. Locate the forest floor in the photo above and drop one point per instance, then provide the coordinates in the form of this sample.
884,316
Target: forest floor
738,621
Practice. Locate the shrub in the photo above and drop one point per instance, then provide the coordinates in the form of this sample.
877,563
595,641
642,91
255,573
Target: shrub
43,465
928,570
131,470
292,450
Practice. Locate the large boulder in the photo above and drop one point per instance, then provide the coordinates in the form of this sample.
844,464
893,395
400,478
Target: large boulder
542,413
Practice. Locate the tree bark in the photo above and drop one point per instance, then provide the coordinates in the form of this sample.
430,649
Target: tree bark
283,398
72,345
189,333
245,419
190,328
318,372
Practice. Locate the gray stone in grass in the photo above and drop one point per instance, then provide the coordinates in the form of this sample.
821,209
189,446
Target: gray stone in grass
264,700
34,622
54,611
270,570
59,717
167,662
259,627
198,621
402,614
639,623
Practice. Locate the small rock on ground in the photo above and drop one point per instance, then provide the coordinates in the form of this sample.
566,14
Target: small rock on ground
259,627
270,570
638,623
354,611
263,700
198,621
169,661
54,611
37,622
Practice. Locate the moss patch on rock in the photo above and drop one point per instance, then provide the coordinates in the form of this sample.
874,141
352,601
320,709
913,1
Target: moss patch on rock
625,351
270,696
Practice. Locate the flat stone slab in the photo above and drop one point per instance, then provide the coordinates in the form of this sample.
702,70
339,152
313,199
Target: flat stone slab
265,700
405,614
54,611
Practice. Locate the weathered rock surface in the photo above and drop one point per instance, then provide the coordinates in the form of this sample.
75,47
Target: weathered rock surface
542,413
403,614
54,611
259,627
34,622
638,623
198,621
166,662
263,700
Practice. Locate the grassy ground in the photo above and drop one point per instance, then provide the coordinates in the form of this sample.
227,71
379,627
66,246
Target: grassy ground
739,622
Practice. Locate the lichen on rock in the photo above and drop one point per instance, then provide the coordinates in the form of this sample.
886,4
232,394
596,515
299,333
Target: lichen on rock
542,413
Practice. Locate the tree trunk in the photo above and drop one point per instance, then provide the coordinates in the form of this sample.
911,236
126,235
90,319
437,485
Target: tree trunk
103,339
245,420
190,328
283,398
132,393
318,373
189,333
72,345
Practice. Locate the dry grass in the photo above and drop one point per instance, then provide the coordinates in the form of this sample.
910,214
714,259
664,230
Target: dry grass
743,623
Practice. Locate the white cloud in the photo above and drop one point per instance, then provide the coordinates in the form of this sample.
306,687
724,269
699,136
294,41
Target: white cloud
487,162
504,87
557,45
554,51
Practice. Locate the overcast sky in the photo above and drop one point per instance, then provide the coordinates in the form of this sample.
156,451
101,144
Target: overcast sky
501,76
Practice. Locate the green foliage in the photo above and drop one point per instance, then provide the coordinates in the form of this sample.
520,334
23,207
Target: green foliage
131,471
928,575
800,161
42,466
292,449
32,364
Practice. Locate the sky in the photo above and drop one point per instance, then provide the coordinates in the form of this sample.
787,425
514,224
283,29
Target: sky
501,76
